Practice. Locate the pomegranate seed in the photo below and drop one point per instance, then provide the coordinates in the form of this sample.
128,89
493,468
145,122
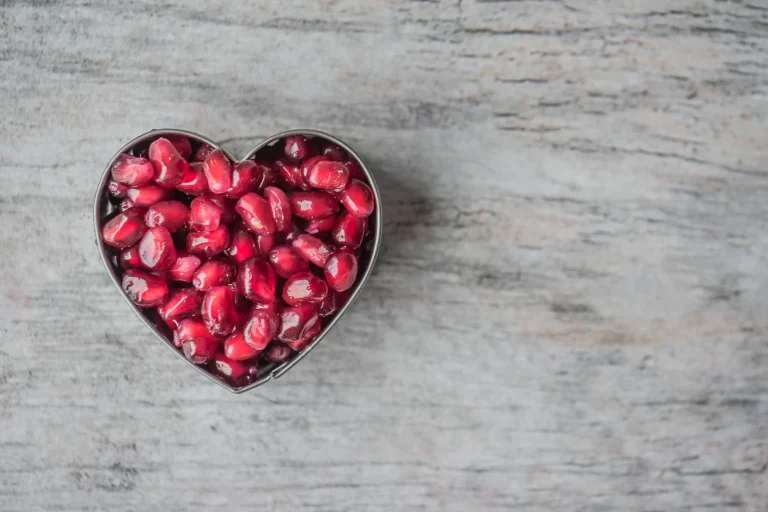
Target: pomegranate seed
237,349
208,243
117,190
256,213
329,176
202,152
129,258
341,270
256,280
156,249
264,244
333,152
145,290
182,145
308,338
219,313
304,287
333,302
298,148
193,329
286,261
149,194
125,229
321,225
309,164
261,328
228,213
313,205
204,214
169,165
184,268
132,171
269,175
172,325
200,351
349,231
273,307
355,170
126,204
277,353
246,176
227,367
291,173
194,182
296,321
215,272
294,234
168,214
357,198
281,208
181,303
312,248
218,171
242,246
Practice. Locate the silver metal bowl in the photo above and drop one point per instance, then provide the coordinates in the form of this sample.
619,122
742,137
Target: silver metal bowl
103,208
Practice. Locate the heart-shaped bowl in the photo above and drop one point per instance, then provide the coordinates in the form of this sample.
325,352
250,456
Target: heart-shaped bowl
104,207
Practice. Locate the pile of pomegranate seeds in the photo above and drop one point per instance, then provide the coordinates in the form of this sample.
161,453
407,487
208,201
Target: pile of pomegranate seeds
244,262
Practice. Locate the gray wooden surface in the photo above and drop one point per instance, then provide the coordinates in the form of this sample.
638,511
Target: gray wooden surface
570,312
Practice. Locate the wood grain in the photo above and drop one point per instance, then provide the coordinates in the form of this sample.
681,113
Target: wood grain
570,310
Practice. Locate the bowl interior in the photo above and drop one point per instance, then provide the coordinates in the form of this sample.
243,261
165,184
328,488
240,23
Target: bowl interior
105,207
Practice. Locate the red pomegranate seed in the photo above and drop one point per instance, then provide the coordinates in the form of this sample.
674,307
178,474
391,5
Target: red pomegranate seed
298,148
355,170
172,325
333,302
218,171
329,176
237,349
321,225
281,208
184,268
219,313
256,213
116,189
269,175
341,270
308,338
215,272
296,321
145,290
194,182
273,306
333,152
277,353
246,176
265,243
126,204
129,258
149,194
242,246
181,303
261,328
156,249
308,164
357,198
294,234
227,367
169,165
204,214
193,329
125,229
202,152
286,261
182,145
349,230
304,287
200,351
313,205
132,171
291,173
208,243
168,214
228,213
312,248
256,280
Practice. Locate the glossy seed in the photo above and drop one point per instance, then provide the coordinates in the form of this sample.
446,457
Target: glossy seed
309,336
208,243
200,351
202,152
228,213
246,176
291,173
204,214
333,302
194,182
277,352
156,249
219,312
256,281
312,249
182,145
296,321
280,207
261,328
169,165
170,215
286,261
149,194
297,148
349,230
314,227
125,229
357,198
184,268
355,170
341,270
329,176
309,163
181,303
132,171
242,246
117,190
129,258
218,171
215,272
227,367
256,213
144,289
265,243
333,152
236,348
193,329
304,287
313,205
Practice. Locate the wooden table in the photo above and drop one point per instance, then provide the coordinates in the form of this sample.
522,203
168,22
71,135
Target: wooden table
570,310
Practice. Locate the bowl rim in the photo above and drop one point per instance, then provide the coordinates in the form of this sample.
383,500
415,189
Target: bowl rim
281,369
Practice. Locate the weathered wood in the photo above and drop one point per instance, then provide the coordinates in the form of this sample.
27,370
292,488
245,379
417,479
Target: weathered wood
570,310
